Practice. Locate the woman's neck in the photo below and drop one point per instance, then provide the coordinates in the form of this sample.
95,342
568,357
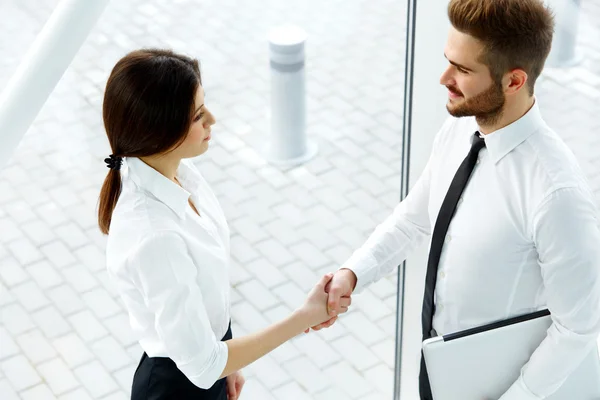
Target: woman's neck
165,165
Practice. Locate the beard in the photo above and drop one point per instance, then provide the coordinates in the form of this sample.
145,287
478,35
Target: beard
486,107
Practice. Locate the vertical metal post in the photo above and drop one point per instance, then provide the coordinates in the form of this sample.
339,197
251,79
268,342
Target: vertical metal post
43,66
287,144
404,178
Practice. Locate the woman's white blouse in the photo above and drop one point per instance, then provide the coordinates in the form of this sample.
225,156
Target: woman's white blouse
171,267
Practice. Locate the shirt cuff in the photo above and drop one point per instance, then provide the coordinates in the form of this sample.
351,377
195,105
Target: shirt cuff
364,267
518,391
211,375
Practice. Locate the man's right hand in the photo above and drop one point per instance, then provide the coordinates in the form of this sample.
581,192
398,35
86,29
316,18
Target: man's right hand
341,285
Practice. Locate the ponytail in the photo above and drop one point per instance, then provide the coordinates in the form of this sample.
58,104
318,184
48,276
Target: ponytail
148,108
111,190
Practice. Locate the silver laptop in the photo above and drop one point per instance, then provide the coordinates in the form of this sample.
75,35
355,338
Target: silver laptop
483,362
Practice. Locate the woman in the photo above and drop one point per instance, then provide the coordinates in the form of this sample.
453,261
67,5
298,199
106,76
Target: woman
168,241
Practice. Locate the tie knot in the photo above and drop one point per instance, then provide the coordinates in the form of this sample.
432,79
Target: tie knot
478,143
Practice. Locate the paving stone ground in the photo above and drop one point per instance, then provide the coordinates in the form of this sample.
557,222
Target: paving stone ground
64,333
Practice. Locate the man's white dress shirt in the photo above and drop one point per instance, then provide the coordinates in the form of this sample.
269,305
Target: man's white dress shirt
524,237
171,267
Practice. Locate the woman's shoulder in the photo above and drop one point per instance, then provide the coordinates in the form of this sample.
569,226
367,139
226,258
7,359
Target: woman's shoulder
127,250
142,221
134,220
140,206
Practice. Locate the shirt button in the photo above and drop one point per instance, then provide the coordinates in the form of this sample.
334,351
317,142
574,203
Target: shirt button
448,238
442,274
439,307
477,162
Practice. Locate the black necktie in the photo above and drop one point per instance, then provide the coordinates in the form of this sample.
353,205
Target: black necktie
459,182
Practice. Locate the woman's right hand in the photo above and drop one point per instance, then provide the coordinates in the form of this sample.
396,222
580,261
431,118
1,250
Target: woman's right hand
314,308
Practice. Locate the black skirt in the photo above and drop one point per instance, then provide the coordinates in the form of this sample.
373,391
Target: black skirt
158,378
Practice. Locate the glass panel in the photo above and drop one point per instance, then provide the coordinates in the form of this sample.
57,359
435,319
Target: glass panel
568,92
569,88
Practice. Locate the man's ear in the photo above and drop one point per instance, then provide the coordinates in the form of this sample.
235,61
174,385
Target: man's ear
514,81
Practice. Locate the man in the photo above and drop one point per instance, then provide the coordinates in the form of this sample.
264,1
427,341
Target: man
512,220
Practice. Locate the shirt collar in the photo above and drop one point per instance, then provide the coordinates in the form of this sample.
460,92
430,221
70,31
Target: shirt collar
162,188
501,142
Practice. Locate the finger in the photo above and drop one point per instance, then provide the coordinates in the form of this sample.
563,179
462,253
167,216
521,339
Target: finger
325,324
328,287
231,388
324,280
345,301
330,322
240,385
333,302
317,327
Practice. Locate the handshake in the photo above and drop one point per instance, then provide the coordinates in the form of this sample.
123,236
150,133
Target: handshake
328,299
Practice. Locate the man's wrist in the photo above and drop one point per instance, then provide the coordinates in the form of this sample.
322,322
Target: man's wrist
351,276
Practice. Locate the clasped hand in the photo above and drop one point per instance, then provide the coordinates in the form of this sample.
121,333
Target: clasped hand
330,297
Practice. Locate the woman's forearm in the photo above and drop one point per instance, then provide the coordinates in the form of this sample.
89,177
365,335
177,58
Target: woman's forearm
247,349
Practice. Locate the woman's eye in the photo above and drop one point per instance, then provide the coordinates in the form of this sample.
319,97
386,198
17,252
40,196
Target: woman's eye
199,117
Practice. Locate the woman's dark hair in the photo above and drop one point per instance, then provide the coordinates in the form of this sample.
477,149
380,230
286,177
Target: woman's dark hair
148,109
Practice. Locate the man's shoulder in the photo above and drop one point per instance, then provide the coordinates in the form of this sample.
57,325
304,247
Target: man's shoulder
551,160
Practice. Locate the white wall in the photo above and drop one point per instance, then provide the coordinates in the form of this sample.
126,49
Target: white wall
428,113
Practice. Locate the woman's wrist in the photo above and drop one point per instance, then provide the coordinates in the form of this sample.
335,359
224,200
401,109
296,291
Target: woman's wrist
301,319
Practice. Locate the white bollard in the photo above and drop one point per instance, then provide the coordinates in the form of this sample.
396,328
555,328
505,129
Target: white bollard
564,44
288,145
44,64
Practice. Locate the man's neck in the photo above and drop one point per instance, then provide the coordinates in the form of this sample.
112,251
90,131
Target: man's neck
511,112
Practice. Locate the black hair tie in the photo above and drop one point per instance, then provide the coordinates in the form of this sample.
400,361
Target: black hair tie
114,162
